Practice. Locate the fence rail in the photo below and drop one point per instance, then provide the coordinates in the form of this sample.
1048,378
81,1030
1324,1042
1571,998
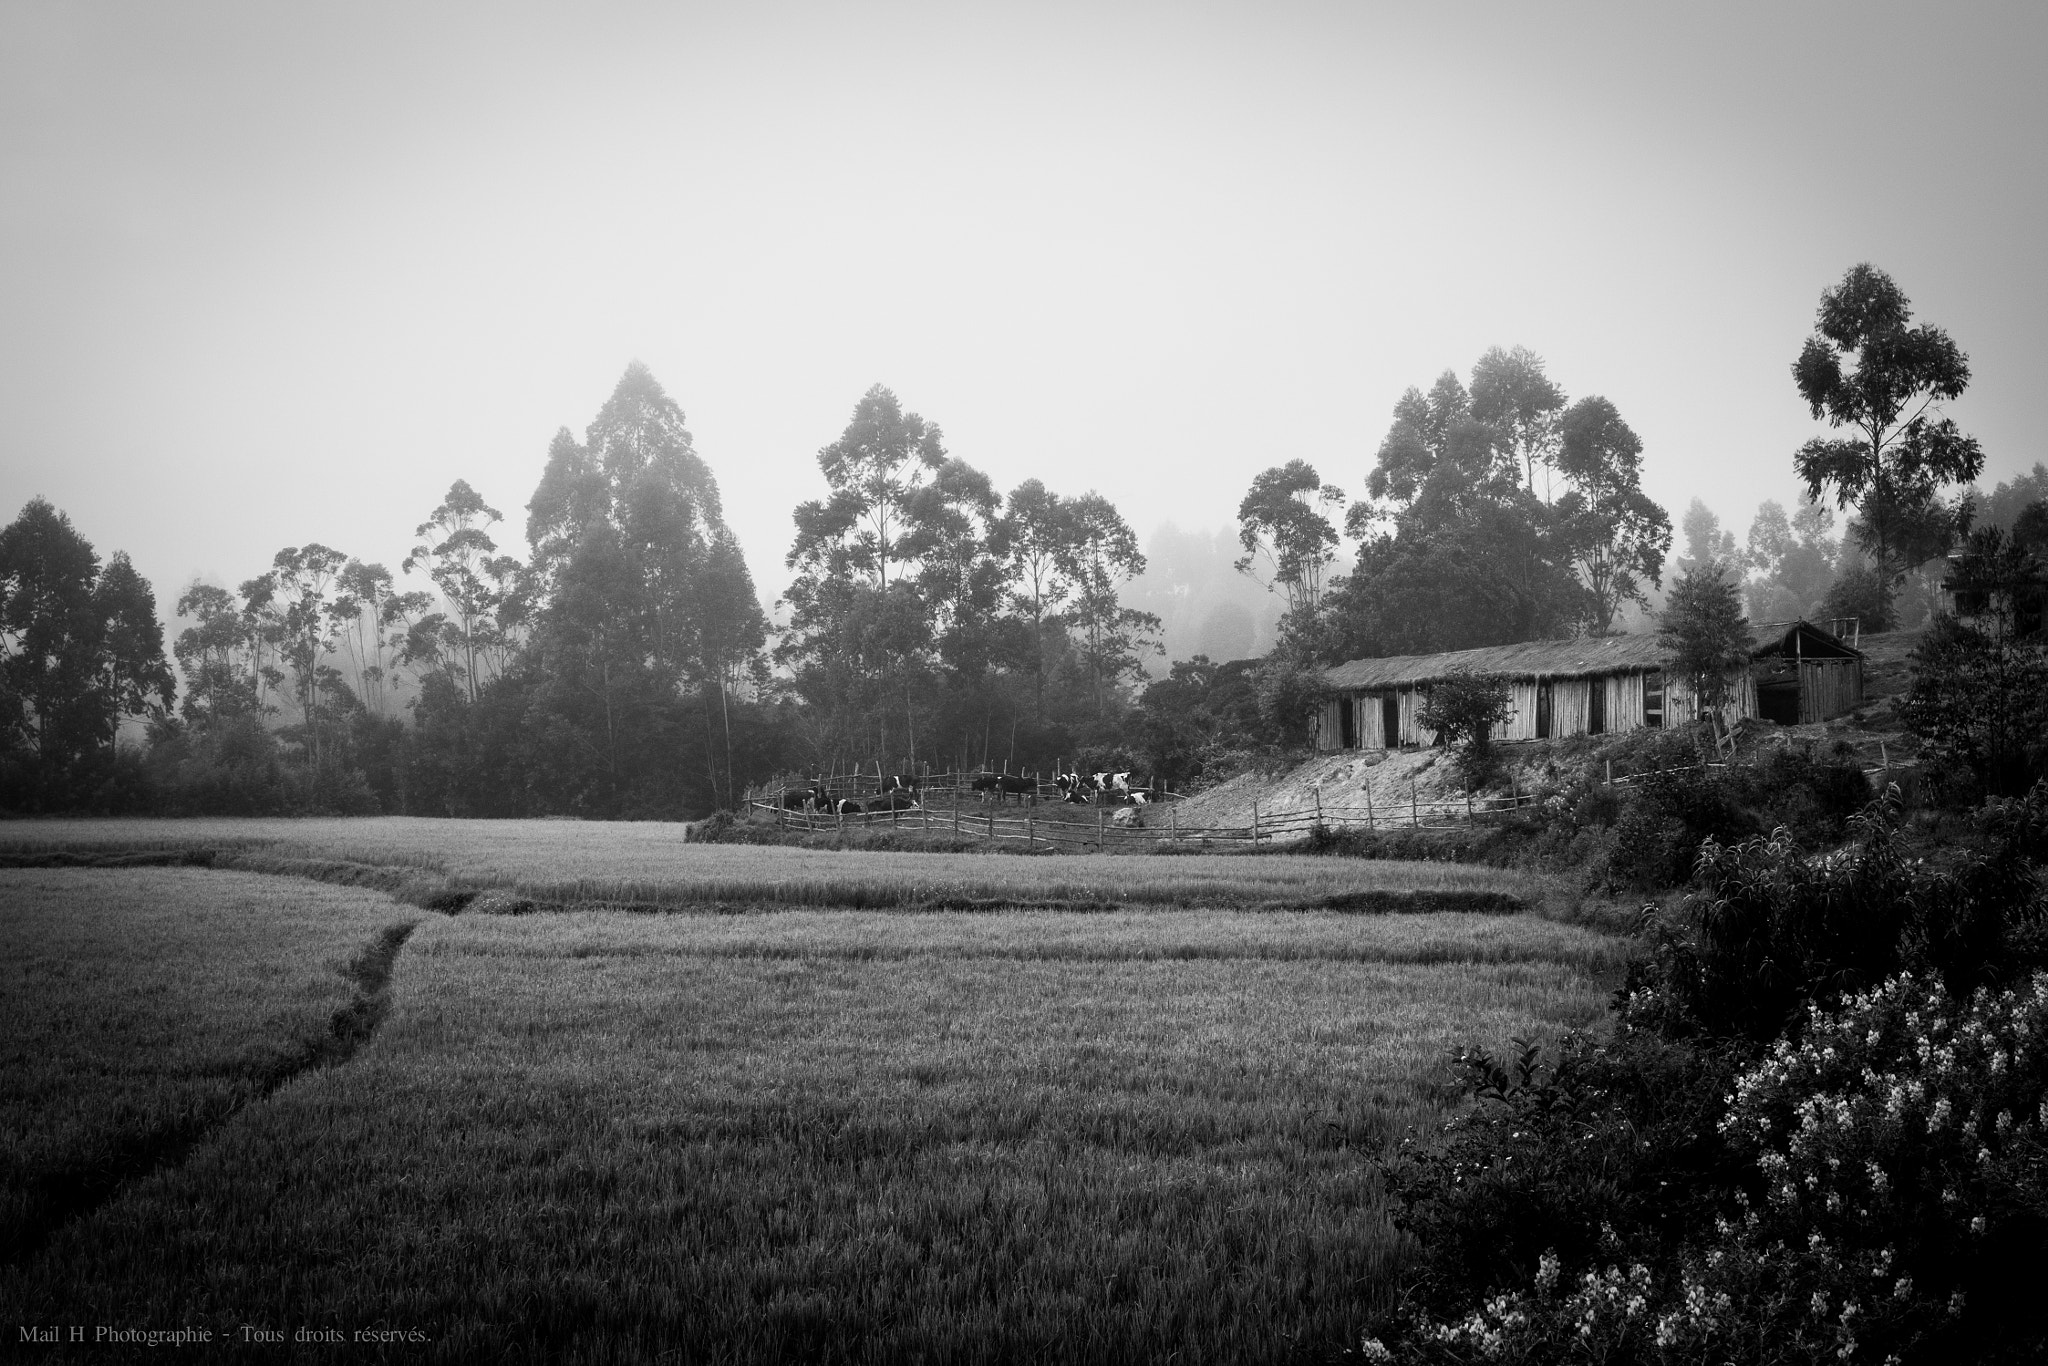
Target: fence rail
949,804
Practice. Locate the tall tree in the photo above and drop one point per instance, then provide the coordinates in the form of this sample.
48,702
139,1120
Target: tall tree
1285,519
1454,550
80,647
1103,557
1618,536
640,596
874,469
1511,394
1038,537
301,579
1901,451
218,656
458,555
1706,544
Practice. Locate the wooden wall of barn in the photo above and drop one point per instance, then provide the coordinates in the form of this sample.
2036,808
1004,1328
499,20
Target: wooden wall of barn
1681,706
1829,687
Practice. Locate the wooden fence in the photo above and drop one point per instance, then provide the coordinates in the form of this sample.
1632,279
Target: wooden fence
950,805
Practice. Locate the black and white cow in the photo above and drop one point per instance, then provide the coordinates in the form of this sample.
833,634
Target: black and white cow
896,799
1004,787
803,798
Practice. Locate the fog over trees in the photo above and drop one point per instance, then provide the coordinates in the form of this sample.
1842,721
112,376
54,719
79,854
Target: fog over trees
620,662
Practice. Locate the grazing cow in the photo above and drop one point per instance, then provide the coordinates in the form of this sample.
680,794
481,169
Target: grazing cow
985,783
897,800
798,798
1015,785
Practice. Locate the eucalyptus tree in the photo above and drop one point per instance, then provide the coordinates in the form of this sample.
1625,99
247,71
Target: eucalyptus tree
1511,394
1102,556
1454,550
1617,535
1038,535
1872,374
637,594
294,602
1285,519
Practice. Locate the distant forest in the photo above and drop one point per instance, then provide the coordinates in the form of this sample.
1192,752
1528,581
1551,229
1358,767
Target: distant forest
621,664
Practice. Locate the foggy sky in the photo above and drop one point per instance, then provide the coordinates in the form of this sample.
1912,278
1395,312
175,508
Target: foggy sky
276,274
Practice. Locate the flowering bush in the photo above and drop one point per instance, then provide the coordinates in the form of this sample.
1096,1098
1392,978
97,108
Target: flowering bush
1819,1133
1890,1206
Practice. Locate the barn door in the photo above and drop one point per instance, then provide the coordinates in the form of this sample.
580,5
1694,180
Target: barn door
1390,721
1596,706
1543,709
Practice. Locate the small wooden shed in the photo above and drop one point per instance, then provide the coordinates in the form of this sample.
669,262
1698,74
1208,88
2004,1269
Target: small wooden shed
1593,685
1804,674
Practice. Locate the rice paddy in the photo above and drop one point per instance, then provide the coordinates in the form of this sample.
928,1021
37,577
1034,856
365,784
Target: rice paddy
648,864
794,1133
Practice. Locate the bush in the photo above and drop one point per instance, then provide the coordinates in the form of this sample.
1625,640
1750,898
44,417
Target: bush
1881,1196
1820,1131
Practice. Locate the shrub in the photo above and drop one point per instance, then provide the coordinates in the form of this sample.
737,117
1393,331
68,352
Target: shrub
1463,709
1820,1131
1887,1203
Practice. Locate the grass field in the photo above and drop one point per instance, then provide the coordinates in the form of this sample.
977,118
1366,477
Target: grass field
648,865
139,1009
1132,1134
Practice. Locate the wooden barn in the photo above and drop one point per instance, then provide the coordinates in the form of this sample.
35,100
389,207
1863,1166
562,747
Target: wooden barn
1591,686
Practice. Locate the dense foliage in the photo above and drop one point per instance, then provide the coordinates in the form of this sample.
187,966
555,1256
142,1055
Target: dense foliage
1817,1133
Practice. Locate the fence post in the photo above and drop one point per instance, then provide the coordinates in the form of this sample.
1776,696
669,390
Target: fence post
991,825
1173,818
1319,803
1030,828
1098,825
1369,824
1414,806
956,812
1610,773
1468,803
1255,821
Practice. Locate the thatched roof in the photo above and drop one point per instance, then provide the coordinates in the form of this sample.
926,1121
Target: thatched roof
1583,657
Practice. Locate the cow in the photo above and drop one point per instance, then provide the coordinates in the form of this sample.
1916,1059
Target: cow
898,799
846,806
1073,787
902,782
801,798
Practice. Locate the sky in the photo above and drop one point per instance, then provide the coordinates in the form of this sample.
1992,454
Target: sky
272,274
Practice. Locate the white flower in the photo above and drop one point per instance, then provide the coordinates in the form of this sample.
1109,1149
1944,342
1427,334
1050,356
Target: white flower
1977,1224
1819,1305
1902,1288
1372,1349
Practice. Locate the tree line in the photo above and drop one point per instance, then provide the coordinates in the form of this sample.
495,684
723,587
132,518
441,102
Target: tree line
623,665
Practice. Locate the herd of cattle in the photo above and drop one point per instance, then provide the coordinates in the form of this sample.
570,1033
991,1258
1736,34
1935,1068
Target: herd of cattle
901,792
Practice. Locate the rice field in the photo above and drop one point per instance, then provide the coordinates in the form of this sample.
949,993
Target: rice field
1139,1133
138,1010
649,865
